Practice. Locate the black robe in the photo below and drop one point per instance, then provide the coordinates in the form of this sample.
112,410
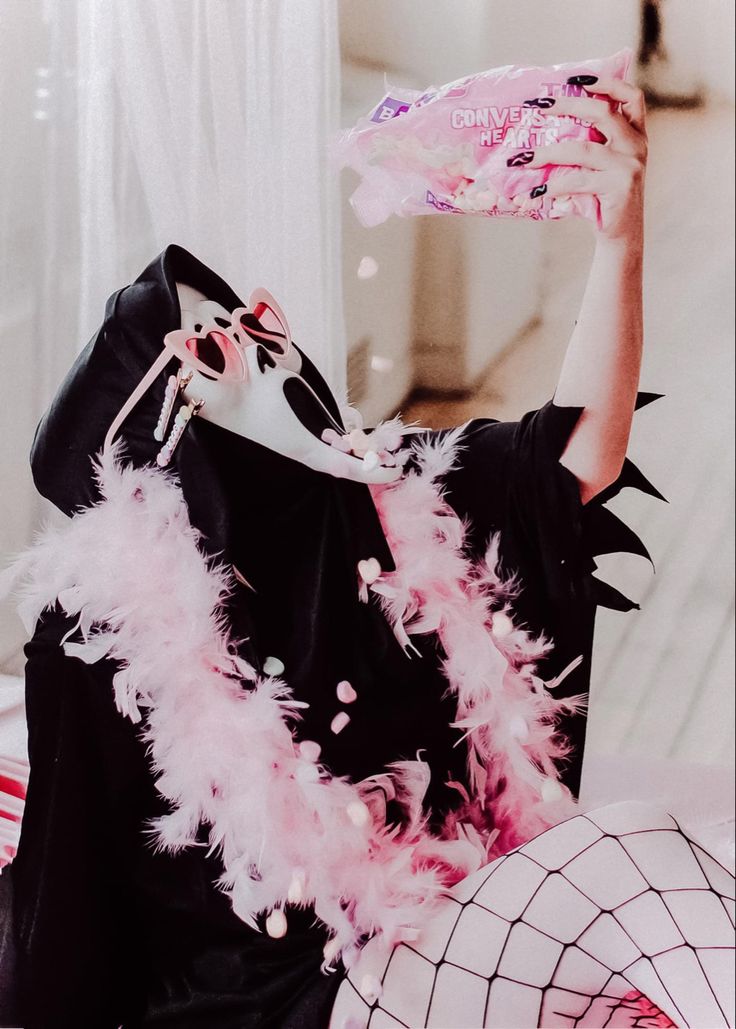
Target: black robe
106,932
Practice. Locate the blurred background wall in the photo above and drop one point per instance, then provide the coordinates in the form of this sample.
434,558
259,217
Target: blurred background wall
132,125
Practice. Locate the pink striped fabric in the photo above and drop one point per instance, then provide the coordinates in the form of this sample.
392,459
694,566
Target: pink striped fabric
13,783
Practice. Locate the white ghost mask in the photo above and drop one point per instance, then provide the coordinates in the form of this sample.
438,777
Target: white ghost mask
242,371
284,403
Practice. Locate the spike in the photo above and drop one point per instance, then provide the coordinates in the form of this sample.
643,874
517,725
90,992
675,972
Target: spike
608,596
643,398
630,475
561,424
606,533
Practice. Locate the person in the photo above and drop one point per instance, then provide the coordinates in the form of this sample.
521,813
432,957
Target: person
284,688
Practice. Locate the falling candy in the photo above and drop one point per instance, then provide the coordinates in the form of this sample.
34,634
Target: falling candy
561,207
331,949
276,924
345,692
352,418
336,440
308,773
272,666
339,722
379,363
370,989
518,728
358,812
370,460
551,791
310,750
502,624
369,570
367,268
295,893
360,442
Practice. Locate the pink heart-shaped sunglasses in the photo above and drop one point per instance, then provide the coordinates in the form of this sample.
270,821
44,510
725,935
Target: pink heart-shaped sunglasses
218,352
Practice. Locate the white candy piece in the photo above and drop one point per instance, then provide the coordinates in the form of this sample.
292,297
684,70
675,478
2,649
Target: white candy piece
370,989
345,692
331,949
276,924
370,460
367,268
502,624
352,418
551,791
308,773
272,666
369,570
361,445
339,722
358,812
379,363
342,443
296,887
518,728
562,204
465,203
310,750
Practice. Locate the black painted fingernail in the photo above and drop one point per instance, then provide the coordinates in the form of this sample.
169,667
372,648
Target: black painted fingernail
520,159
540,101
582,80
538,190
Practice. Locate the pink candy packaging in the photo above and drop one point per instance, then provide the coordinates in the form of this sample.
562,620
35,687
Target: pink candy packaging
445,150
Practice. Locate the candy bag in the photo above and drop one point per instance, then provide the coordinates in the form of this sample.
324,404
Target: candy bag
445,150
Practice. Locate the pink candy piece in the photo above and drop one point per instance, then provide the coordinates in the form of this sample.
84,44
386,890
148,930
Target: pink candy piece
445,150
276,924
339,722
310,750
369,570
345,692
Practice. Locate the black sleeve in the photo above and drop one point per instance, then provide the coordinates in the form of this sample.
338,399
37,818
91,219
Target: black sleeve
73,904
510,477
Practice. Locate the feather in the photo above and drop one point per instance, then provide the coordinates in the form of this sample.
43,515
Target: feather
210,740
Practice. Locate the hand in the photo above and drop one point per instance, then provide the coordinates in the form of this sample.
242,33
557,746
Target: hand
613,169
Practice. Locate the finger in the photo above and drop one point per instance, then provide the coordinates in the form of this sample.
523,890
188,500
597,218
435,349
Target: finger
631,98
578,181
568,152
616,129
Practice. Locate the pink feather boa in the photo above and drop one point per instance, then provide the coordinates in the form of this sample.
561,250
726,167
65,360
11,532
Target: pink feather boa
214,727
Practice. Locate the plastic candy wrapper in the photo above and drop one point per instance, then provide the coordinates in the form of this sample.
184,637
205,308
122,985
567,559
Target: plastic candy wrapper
445,150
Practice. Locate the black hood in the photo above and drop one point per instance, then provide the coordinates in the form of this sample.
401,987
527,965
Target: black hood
120,352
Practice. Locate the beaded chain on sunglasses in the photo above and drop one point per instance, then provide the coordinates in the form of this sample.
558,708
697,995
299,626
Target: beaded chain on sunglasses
252,331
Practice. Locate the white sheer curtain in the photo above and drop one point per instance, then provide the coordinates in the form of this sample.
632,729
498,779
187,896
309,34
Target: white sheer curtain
134,124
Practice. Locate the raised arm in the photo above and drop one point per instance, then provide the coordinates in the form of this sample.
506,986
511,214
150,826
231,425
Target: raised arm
603,359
